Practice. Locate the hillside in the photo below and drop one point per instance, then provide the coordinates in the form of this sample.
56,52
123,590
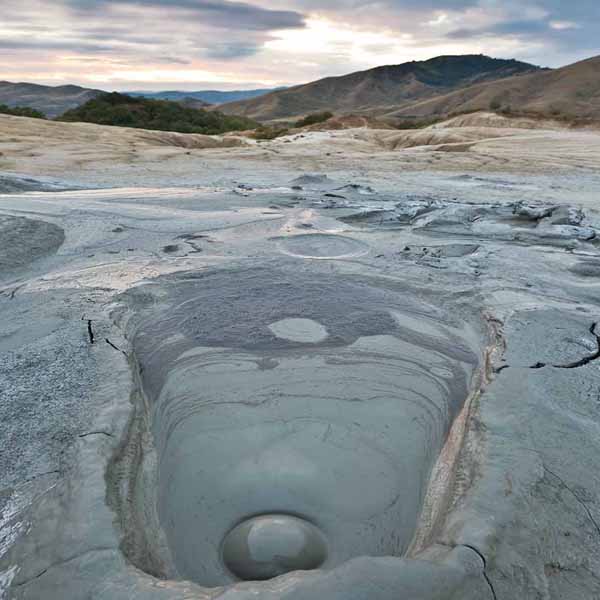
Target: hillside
380,90
52,101
162,115
571,92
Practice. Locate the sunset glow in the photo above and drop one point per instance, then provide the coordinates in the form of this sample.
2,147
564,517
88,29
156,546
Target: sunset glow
152,44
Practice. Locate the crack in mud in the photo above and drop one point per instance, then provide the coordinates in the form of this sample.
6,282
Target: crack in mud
34,477
577,498
582,362
115,347
82,435
484,572
90,330
60,564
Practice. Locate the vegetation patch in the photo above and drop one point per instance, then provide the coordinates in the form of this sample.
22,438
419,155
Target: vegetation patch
265,132
314,118
160,115
419,123
21,111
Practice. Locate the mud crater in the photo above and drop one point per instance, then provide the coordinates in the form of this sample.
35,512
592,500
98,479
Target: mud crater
286,420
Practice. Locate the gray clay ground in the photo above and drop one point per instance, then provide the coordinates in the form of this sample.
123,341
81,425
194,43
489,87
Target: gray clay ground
400,379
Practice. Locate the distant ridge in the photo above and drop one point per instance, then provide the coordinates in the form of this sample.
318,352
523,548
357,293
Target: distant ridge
379,90
55,101
52,101
208,96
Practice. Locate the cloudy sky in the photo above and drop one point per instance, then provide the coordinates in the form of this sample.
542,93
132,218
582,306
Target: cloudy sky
223,44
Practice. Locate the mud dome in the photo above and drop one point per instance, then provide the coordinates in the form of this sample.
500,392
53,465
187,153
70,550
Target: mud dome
24,241
281,443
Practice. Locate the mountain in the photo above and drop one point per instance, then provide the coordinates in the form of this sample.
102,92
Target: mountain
208,96
379,90
572,92
52,101
160,115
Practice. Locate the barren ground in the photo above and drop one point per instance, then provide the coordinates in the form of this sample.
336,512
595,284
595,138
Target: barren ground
383,343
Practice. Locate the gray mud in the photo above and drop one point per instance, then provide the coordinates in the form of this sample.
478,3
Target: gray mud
257,391
14,184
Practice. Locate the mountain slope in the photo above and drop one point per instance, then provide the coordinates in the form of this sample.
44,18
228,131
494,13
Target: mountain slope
572,92
382,89
52,101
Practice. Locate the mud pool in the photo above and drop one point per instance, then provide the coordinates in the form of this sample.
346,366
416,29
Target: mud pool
251,418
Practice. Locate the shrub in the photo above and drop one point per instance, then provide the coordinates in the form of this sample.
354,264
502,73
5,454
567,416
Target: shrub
160,115
269,133
419,123
22,111
555,111
314,119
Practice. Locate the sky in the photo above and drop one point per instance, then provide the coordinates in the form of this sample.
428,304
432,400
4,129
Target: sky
226,44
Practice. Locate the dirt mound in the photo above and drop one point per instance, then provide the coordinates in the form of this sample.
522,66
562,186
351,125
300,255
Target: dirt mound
496,121
439,138
22,128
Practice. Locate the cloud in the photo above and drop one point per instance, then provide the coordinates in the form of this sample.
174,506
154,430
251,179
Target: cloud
506,28
20,44
556,27
228,51
151,43
220,13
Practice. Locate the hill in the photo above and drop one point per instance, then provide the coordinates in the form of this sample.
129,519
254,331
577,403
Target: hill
161,115
571,92
379,90
52,101
208,96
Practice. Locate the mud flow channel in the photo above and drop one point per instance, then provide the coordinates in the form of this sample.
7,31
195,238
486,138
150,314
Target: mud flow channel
293,418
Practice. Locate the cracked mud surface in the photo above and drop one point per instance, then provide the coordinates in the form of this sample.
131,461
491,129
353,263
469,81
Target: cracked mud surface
403,385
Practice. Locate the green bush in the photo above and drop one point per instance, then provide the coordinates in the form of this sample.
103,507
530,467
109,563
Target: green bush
495,104
419,123
269,133
314,119
21,111
160,115
555,111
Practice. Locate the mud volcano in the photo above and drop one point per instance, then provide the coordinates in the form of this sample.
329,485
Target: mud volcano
295,418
